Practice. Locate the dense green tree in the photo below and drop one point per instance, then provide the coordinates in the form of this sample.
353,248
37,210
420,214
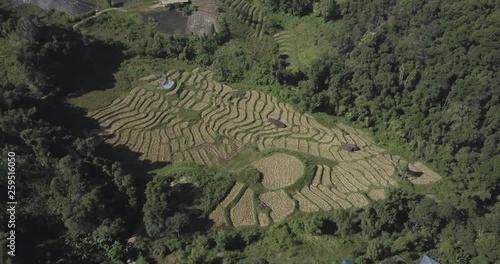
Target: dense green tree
156,208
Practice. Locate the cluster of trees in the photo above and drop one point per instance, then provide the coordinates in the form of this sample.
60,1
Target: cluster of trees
144,39
423,75
295,7
328,9
186,8
424,78
71,184
403,226
75,204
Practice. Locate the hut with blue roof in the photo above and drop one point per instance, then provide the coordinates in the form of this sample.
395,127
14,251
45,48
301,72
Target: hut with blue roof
427,260
345,261
167,84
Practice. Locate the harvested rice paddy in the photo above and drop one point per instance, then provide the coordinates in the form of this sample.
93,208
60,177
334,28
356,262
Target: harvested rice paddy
199,121
243,213
279,170
377,194
280,204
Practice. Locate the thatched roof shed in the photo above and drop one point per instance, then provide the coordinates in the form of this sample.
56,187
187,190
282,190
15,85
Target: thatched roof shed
276,122
237,93
349,147
116,3
261,206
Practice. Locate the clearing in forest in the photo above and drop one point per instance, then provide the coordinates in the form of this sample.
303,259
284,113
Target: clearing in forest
206,122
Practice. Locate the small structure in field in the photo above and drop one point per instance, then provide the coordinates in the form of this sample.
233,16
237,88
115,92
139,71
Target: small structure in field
276,122
345,261
237,93
167,84
116,3
427,260
261,206
349,147
169,2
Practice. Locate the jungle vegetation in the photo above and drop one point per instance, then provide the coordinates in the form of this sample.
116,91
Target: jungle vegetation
422,76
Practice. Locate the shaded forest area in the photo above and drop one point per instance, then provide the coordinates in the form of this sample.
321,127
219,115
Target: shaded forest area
423,76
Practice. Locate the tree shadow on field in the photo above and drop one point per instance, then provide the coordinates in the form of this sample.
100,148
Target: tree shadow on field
85,127
102,61
184,198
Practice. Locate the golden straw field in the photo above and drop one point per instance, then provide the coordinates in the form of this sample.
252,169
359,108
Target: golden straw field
279,170
201,121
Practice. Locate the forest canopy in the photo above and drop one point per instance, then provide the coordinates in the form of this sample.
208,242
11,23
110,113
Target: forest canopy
422,76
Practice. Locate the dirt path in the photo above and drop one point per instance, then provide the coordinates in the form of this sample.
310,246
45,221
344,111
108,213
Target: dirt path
98,14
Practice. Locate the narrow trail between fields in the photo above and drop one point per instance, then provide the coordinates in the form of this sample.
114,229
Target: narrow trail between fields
98,14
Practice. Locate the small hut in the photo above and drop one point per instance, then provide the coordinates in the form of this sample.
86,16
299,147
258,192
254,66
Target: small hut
345,261
237,93
427,260
276,122
167,84
349,147
261,206
116,3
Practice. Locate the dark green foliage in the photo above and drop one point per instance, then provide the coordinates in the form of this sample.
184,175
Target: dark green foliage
423,76
294,7
84,201
249,176
231,65
156,208
171,206
185,8
328,9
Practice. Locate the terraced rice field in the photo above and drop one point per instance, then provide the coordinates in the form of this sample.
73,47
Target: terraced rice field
249,14
199,121
279,170
217,216
280,204
377,194
243,213
428,177
264,219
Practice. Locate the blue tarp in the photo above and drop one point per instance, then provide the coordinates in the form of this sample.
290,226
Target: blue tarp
345,261
167,84
427,260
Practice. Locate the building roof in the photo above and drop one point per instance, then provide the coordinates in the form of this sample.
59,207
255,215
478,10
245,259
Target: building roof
427,260
114,2
276,122
237,93
349,147
167,2
345,261
167,84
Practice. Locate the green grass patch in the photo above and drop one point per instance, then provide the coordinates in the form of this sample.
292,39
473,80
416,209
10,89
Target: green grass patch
189,115
309,38
249,176
126,78
242,159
